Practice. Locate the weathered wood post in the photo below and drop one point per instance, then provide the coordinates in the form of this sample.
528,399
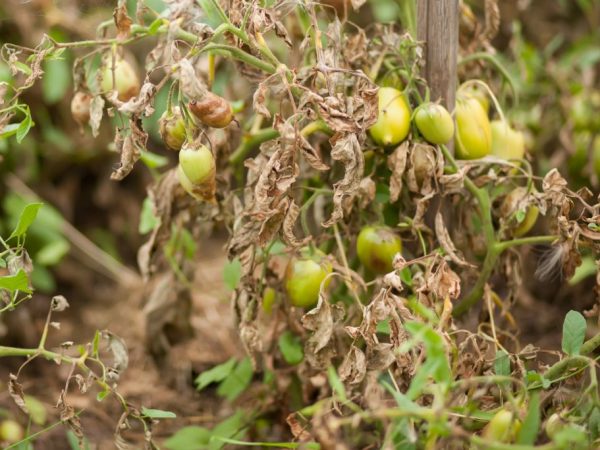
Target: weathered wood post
437,26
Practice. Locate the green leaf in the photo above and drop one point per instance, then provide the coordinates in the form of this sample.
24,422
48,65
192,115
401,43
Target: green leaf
502,363
22,68
212,15
74,442
232,273
158,413
37,410
214,375
237,381
189,438
26,218
147,218
153,160
24,127
573,336
291,348
336,384
52,253
56,80
531,424
230,428
16,282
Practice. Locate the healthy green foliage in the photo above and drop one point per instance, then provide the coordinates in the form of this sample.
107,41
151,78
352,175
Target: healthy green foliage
574,328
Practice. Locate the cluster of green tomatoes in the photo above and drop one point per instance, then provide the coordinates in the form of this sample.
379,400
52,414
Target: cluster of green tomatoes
475,136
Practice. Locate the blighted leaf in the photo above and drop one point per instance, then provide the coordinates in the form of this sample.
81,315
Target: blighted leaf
15,390
322,321
397,164
96,112
122,21
59,303
346,149
354,366
119,351
574,328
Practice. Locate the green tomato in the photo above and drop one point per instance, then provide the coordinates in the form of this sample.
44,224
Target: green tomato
393,121
553,425
376,247
473,135
197,163
268,300
479,94
510,205
507,143
503,427
10,431
304,276
434,123
126,81
172,129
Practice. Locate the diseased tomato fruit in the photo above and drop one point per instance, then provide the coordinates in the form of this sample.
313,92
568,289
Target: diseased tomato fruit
10,431
80,107
197,163
212,110
185,183
376,247
304,275
393,122
507,143
479,94
434,123
473,135
126,81
172,128
511,204
503,427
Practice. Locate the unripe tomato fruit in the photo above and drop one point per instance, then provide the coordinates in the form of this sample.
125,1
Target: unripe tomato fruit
376,247
126,81
10,431
393,121
478,94
172,128
553,425
197,163
80,107
510,205
473,135
185,182
503,427
304,275
268,299
434,123
507,143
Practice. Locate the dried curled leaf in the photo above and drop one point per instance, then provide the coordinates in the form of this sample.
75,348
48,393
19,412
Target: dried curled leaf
346,149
